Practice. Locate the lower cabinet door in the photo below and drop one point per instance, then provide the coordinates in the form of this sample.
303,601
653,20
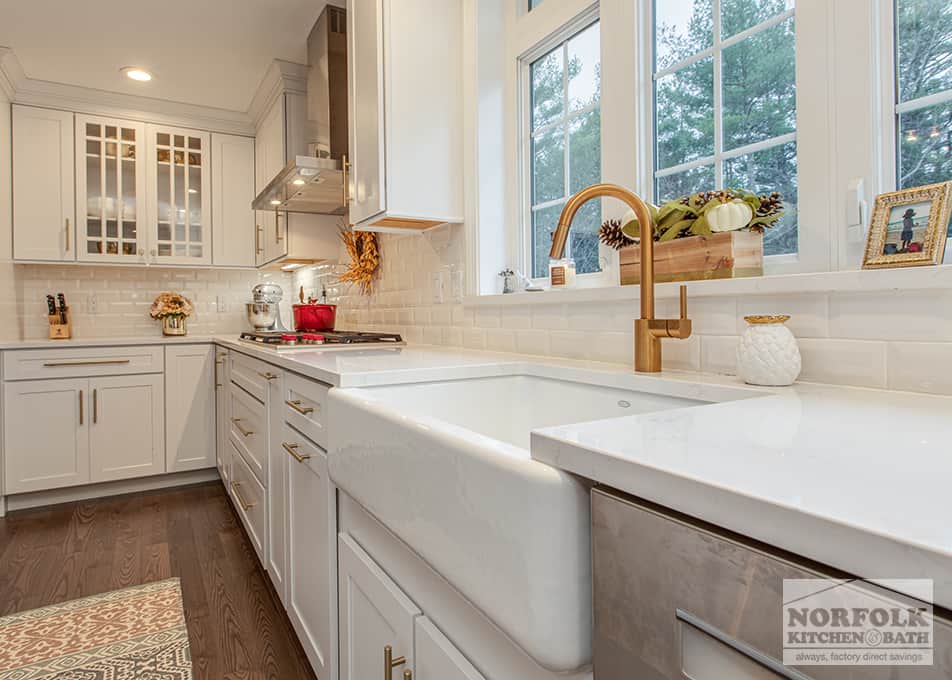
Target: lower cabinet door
46,434
311,573
374,615
190,407
437,658
250,499
127,427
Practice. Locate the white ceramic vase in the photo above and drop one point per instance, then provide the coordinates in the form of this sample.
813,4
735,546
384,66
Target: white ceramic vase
768,353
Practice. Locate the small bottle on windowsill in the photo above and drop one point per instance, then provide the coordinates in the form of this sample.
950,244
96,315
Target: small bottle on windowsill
562,273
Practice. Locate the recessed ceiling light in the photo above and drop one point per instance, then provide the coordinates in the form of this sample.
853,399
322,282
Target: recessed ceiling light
299,182
136,73
275,202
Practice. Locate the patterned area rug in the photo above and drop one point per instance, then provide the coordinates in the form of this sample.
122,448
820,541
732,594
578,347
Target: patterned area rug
133,633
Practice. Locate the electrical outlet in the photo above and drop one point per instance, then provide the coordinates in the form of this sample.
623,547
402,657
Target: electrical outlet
457,285
220,304
92,303
436,282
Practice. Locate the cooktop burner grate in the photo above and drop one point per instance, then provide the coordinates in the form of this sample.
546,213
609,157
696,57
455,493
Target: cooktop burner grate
330,337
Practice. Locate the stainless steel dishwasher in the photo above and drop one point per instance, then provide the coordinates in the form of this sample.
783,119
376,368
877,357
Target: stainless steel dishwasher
675,599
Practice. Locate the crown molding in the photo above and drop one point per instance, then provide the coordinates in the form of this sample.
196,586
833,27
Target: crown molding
282,77
11,72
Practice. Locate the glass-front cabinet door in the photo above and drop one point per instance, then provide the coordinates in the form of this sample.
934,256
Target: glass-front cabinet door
179,203
110,185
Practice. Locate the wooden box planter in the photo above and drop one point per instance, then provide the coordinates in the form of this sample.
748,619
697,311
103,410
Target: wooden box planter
729,255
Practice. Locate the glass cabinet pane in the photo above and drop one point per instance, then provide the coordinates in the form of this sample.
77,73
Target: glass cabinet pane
110,168
179,232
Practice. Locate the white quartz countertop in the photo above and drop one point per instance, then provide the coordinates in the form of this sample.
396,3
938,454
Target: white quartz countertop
853,478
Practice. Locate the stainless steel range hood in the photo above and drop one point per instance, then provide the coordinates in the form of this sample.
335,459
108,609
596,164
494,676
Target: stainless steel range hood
315,184
306,185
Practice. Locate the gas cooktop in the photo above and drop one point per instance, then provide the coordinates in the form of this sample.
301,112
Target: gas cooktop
300,340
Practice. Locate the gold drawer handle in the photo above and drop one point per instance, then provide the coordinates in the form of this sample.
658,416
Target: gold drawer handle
296,405
389,663
91,362
292,449
244,432
241,501
268,376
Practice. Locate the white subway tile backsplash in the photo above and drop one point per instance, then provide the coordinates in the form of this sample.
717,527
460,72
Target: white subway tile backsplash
713,316
919,367
900,315
844,362
681,355
501,340
719,354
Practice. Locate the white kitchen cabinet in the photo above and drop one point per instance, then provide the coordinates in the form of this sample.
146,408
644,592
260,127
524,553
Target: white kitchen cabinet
127,427
277,559
271,155
223,452
179,206
46,434
406,114
374,614
311,527
44,207
233,190
437,658
249,496
110,190
190,406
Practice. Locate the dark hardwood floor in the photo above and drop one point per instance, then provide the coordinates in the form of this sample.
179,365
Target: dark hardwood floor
237,626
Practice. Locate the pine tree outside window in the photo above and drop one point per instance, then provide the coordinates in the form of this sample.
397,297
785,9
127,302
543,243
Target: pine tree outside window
726,102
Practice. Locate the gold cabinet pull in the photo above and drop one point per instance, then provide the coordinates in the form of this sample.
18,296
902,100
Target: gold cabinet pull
408,674
235,486
296,405
67,234
277,227
91,362
268,376
293,450
244,432
81,400
95,406
258,248
389,663
346,167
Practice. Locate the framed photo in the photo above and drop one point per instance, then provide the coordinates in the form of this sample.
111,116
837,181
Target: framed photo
909,228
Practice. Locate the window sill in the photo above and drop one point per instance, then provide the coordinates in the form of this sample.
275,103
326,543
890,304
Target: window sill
910,278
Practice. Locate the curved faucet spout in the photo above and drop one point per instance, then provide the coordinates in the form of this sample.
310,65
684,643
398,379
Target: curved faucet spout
628,197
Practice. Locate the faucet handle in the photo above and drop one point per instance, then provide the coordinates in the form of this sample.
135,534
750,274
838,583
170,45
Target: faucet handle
684,302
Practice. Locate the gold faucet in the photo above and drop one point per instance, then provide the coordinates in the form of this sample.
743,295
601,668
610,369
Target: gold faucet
648,330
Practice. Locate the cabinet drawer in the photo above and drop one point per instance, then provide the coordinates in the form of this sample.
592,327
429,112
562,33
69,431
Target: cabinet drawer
32,364
252,375
249,497
248,430
305,407
675,599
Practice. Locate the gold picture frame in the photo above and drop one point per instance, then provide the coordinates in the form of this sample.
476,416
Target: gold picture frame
909,228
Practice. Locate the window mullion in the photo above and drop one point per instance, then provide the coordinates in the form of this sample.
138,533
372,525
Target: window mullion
566,158
718,100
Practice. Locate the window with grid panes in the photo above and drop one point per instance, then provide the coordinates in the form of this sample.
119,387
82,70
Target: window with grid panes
565,147
725,103
923,92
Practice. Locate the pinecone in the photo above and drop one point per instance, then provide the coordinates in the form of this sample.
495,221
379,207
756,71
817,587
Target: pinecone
770,204
611,235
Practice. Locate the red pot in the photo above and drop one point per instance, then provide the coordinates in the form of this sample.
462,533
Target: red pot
314,317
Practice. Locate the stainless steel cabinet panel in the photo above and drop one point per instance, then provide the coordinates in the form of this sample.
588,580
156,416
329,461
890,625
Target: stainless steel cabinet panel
676,600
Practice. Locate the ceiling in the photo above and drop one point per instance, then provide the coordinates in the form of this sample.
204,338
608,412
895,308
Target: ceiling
204,52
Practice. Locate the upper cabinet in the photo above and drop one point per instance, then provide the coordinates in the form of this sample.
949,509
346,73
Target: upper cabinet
271,154
96,189
110,188
179,212
43,180
406,114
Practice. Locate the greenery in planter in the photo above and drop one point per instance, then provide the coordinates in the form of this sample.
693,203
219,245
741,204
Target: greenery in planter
701,214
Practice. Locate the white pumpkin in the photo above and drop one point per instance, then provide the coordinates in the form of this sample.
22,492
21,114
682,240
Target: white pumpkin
730,216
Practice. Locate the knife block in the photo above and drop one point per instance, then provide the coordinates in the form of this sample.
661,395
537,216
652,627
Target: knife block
58,329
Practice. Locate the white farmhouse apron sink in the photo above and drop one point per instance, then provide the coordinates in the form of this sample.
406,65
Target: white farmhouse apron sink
446,467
